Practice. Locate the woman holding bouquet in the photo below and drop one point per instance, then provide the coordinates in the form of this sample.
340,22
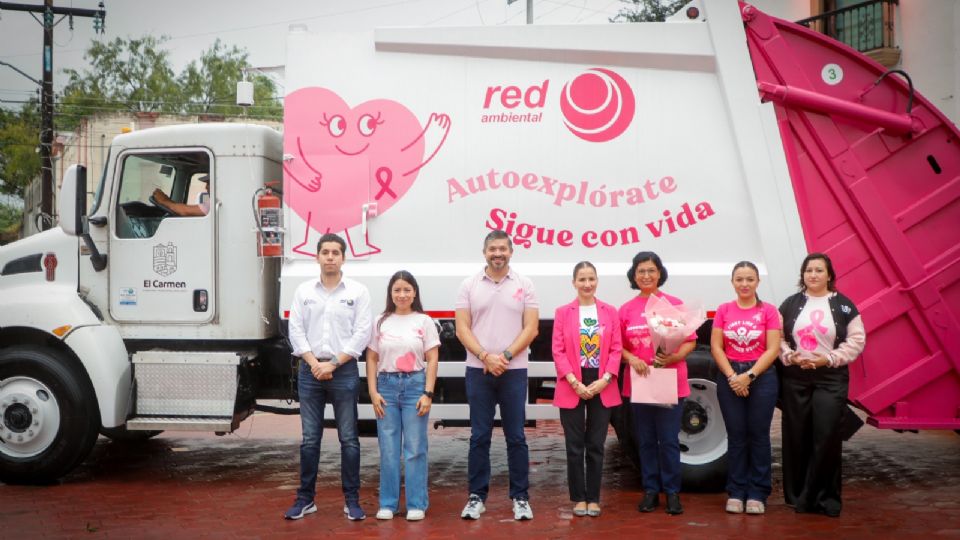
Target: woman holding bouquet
402,361
745,342
657,428
586,351
823,332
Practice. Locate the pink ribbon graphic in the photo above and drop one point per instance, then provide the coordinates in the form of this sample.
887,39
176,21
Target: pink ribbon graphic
808,341
816,318
518,296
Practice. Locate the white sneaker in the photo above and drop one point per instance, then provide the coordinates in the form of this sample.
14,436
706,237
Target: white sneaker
522,510
384,513
474,508
415,515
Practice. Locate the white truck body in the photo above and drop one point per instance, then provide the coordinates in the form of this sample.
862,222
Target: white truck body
699,144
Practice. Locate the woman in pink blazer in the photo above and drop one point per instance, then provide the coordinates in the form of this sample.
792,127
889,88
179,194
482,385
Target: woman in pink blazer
586,351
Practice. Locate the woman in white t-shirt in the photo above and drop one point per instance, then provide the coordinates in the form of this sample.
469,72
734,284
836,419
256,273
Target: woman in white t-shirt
822,333
401,374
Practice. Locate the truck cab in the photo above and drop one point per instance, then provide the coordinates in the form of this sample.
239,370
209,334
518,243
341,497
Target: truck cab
136,319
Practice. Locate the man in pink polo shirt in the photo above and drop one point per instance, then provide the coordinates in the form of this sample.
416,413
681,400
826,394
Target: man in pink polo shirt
497,318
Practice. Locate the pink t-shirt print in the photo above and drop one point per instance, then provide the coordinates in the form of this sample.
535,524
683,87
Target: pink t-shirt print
808,334
408,362
745,330
638,336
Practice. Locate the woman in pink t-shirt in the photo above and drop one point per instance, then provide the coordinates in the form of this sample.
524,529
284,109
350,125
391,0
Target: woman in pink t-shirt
657,428
745,342
402,361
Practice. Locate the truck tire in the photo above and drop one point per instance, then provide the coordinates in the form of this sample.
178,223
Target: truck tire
48,415
123,435
703,435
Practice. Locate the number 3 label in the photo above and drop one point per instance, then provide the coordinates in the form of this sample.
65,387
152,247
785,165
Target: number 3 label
831,74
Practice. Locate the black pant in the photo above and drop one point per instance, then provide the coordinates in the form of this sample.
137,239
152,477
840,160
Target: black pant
585,431
814,403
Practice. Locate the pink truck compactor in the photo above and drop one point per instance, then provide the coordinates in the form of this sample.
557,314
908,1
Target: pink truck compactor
720,135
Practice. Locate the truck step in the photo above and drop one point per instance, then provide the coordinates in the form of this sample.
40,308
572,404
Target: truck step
187,384
182,424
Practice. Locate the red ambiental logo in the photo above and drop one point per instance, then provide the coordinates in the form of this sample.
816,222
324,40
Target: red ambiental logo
598,105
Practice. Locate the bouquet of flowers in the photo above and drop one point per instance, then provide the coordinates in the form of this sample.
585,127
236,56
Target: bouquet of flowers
670,325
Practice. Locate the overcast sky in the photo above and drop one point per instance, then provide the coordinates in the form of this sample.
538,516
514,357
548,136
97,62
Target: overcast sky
259,26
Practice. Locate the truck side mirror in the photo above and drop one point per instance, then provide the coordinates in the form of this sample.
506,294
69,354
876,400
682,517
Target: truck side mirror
73,200
73,209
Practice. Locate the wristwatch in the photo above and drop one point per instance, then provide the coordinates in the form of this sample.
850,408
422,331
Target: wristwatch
428,393
607,376
508,355
335,362
752,376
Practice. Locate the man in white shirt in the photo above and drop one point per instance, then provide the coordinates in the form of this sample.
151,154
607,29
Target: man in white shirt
330,326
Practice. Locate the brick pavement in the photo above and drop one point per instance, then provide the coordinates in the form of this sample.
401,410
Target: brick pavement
200,486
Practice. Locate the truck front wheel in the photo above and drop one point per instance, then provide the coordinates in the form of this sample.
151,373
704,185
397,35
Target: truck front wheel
48,416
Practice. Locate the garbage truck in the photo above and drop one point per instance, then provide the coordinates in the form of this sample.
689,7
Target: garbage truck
720,135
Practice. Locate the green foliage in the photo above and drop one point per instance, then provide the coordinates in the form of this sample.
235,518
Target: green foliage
210,85
648,10
19,139
10,220
134,75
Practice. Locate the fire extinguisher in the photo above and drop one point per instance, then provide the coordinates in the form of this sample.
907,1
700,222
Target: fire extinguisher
269,230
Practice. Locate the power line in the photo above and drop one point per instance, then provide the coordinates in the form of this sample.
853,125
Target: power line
455,12
560,5
252,27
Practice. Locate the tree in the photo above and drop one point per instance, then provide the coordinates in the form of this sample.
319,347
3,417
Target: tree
210,85
134,75
648,10
19,138
131,75
10,221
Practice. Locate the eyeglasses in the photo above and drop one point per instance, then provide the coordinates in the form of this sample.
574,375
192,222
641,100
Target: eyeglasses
647,271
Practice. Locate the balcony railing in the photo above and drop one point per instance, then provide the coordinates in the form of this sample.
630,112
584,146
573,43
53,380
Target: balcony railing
866,26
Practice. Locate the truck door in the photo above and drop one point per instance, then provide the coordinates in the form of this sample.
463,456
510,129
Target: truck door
162,249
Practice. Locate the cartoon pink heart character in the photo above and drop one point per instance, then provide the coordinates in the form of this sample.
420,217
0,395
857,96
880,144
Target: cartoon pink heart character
338,158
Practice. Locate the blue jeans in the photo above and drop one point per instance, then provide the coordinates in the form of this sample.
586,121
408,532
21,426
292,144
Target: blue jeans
342,391
748,433
658,441
484,393
402,428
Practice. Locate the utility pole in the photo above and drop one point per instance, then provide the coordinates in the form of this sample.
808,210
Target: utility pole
529,10
48,11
